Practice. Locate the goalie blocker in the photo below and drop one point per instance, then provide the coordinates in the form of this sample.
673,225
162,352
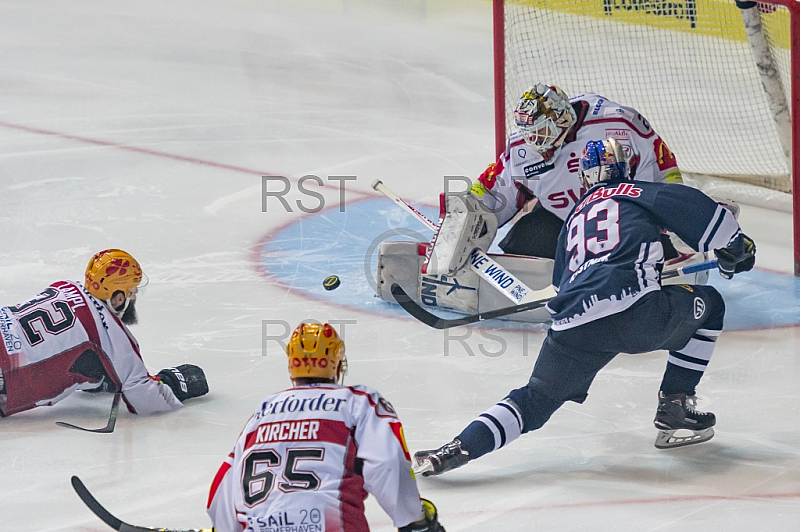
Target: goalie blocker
464,225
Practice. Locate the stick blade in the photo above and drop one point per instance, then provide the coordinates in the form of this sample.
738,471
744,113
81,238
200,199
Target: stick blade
431,320
410,306
112,419
115,523
103,430
91,503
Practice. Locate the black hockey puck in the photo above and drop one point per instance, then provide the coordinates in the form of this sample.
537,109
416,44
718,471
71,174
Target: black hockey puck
331,283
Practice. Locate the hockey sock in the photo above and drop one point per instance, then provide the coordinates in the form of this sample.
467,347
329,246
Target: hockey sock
685,367
498,426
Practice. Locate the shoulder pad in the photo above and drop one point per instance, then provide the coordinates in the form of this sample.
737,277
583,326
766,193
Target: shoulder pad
613,110
382,407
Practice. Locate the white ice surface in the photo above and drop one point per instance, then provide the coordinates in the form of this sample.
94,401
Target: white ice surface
147,125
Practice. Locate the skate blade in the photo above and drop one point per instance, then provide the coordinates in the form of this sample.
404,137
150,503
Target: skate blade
668,439
420,467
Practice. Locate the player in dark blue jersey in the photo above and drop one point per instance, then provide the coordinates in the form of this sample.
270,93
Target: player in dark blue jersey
607,270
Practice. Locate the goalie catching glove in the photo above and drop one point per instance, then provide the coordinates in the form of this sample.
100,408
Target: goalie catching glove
185,381
430,523
738,256
465,225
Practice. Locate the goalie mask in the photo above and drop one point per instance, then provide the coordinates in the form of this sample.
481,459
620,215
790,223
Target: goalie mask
603,160
111,271
544,117
316,351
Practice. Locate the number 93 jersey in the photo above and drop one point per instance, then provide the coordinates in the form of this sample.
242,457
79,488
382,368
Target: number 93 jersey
609,252
306,460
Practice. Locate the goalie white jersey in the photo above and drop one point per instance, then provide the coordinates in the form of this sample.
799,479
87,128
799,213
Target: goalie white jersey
64,340
521,171
306,460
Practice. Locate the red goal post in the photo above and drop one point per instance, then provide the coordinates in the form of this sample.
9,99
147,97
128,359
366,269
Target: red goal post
714,77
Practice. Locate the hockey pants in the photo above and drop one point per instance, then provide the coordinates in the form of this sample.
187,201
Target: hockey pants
683,319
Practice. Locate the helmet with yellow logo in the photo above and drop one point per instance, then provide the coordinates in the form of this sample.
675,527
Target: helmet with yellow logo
111,271
544,118
315,351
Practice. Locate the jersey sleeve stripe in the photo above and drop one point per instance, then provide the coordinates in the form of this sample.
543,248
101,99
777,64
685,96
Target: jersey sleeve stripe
513,411
218,480
720,232
516,143
708,333
86,317
687,362
497,429
372,403
711,230
642,134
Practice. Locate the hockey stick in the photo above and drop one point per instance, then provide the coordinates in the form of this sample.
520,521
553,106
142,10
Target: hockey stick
105,516
431,320
112,419
383,189
485,266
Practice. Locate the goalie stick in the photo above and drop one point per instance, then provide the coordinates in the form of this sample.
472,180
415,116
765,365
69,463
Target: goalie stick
112,419
431,320
485,266
104,515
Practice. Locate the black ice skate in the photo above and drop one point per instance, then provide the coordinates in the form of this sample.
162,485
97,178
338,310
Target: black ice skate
680,424
448,456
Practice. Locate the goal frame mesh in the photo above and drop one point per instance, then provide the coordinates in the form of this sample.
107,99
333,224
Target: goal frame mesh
792,147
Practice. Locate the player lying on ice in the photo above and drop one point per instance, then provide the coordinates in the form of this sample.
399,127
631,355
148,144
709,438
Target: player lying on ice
541,162
74,336
607,268
309,455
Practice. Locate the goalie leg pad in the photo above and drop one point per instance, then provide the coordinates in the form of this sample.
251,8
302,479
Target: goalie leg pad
399,262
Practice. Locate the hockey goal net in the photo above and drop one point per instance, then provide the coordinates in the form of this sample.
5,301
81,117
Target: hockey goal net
714,80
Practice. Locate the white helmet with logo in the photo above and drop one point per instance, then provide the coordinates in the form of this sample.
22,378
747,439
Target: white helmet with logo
544,117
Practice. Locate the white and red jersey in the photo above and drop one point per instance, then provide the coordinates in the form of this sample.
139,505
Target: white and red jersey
306,460
556,183
64,340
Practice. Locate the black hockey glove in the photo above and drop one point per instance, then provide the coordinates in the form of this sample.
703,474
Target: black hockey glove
429,524
738,256
186,381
